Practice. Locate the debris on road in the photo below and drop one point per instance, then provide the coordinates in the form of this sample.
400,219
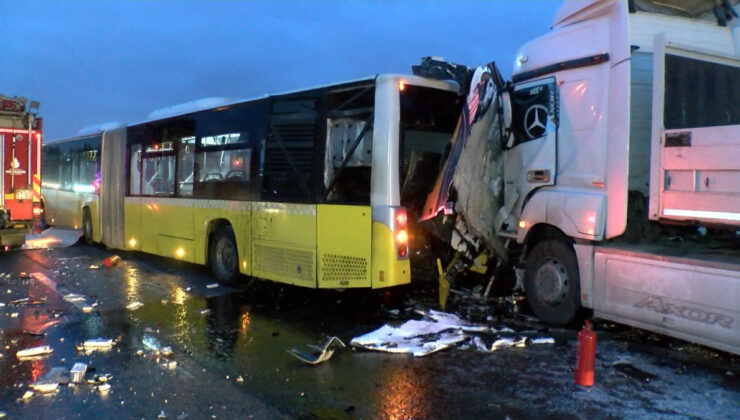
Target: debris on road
27,302
73,297
205,311
320,354
212,286
95,344
93,267
27,395
104,388
417,337
77,373
503,343
34,351
134,305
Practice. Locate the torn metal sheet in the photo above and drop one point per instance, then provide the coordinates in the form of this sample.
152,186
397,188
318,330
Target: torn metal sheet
34,351
53,238
419,337
320,354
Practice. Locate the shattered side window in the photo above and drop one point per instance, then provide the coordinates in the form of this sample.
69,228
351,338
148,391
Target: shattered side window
533,112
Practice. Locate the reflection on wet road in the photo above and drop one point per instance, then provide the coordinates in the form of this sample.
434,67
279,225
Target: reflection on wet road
229,356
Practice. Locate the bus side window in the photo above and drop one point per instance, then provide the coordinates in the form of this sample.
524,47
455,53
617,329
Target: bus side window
135,170
185,168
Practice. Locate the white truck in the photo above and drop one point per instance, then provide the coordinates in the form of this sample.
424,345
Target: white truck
623,108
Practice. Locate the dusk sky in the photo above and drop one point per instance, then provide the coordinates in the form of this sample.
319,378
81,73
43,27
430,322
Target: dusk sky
90,62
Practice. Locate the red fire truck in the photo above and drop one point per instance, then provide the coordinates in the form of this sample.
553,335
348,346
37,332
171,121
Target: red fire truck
20,156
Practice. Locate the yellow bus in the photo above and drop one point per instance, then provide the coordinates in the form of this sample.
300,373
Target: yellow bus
307,188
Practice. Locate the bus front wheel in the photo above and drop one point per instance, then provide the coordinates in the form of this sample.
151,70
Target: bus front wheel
223,256
552,282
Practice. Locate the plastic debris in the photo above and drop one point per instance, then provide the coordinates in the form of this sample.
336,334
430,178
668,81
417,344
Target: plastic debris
419,338
87,309
205,311
96,344
34,351
543,340
45,388
77,373
321,353
104,388
27,395
14,315
504,343
93,267
74,297
134,305
212,286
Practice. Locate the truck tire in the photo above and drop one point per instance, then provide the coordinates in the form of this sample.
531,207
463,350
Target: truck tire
223,255
552,282
87,229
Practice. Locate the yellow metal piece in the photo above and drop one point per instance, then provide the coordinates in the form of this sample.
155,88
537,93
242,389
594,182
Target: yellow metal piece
444,279
344,246
480,264
387,268
444,286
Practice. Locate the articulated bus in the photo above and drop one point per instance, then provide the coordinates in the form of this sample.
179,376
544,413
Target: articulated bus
315,188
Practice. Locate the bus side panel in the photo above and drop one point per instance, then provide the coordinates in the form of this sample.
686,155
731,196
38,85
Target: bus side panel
237,214
284,246
344,245
132,223
167,226
674,297
387,269
68,211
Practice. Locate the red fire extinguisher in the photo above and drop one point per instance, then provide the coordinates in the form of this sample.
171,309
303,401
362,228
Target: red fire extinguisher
585,355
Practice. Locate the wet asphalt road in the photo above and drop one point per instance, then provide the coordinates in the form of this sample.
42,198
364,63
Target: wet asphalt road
229,345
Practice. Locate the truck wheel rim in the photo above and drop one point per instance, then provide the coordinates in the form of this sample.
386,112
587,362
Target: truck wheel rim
551,282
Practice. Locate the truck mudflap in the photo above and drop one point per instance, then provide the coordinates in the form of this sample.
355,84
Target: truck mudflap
692,299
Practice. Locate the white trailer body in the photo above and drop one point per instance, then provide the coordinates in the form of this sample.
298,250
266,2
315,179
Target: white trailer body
613,112
625,121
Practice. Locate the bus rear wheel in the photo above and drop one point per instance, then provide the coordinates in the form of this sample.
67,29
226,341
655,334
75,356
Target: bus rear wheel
552,282
87,229
223,255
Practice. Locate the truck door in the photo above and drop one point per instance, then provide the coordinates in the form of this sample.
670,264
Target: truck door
530,156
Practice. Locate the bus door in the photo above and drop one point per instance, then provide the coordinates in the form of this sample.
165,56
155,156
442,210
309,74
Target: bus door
167,221
284,228
345,220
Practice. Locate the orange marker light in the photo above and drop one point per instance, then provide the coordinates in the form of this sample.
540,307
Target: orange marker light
401,85
522,224
402,237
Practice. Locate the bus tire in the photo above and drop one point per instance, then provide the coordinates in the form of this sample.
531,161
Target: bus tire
87,229
552,282
223,255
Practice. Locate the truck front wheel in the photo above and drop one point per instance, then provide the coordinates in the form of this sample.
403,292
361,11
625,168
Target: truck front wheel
552,282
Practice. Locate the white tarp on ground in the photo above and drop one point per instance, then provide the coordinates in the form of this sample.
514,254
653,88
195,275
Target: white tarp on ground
419,337
53,238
